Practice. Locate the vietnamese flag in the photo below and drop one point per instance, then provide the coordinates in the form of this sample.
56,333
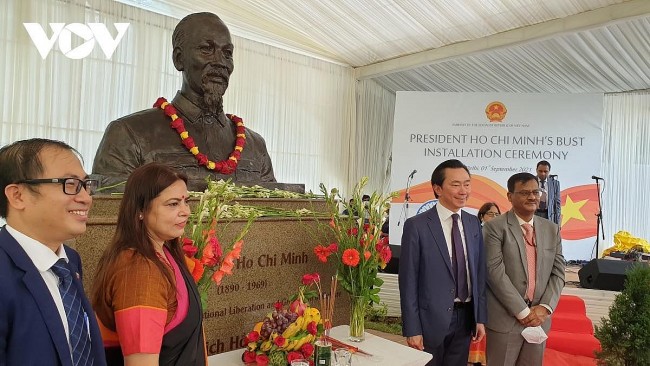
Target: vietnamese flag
483,190
579,203
579,209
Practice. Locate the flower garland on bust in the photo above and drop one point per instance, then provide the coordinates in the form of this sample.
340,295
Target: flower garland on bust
227,166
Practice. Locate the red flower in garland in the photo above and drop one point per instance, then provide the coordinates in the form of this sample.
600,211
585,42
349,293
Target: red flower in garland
227,166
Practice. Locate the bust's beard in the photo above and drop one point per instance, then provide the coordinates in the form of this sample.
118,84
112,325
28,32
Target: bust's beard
213,97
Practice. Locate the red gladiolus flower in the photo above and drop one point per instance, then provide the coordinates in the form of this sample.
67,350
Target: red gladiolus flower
322,253
280,341
252,337
351,257
188,247
249,356
212,252
307,350
293,355
312,328
333,248
353,232
310,278
262,360
366,255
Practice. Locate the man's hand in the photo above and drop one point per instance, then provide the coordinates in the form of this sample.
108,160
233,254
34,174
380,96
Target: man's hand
538,315
479,333
415,342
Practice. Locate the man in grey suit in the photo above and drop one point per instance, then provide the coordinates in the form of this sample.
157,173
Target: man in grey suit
525,275
550,205
442,272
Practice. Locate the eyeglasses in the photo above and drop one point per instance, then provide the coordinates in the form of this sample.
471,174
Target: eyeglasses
536,193
71,186
492,214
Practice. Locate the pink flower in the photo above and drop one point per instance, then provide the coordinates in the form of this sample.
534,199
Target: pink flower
262,360
312,328
307,350
280,341
293,355
249,356
252,337
310,278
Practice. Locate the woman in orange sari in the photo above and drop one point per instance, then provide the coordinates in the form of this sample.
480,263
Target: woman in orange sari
147,304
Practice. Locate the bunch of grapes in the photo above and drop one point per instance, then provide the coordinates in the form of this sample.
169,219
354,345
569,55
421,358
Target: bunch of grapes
278,322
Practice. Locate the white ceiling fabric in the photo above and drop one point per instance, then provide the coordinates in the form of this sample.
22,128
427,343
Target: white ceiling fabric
604,57
611,59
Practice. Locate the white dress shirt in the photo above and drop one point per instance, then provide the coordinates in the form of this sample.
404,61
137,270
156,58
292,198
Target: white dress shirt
447,221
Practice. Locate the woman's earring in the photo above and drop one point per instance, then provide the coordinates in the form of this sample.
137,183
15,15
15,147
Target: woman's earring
141,217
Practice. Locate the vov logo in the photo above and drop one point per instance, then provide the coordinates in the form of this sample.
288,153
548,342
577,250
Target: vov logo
90,33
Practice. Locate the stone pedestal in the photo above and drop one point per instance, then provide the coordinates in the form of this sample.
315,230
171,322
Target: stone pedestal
275,255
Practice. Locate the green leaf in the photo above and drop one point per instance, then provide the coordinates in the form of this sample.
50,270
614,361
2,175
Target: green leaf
378,282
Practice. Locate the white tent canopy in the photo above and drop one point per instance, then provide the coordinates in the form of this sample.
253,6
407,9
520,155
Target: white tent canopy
454,45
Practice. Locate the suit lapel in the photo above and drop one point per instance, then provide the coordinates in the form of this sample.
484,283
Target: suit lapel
517,233
438,237
36,286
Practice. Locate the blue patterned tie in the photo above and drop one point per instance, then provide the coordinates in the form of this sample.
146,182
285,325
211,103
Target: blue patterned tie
77,319
458,261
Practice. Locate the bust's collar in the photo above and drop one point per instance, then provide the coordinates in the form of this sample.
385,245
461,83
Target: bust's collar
192,112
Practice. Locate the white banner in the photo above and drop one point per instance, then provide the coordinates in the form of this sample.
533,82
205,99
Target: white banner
497,135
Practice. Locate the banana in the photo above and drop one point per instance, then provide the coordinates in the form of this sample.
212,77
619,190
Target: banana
301,341
266,345
292,329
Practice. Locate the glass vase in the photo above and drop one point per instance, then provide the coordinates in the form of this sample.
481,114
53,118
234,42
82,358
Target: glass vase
357,317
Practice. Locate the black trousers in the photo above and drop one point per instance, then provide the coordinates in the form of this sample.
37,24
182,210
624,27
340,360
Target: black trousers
454,349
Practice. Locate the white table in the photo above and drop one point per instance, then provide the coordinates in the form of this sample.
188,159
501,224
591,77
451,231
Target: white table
384,352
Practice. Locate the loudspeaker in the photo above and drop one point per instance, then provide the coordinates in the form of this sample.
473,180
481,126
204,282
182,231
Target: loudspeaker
605,274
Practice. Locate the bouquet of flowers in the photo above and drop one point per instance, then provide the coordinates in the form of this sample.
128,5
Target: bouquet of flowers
208,258
287,334
359,249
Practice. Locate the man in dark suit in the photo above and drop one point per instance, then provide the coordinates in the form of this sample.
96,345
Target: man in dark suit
525,275
442,272
550,204
45,317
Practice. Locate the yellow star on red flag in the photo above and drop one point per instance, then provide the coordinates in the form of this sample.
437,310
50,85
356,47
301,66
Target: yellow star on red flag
571,210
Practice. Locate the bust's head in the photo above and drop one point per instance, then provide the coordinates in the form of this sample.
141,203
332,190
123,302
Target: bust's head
203,52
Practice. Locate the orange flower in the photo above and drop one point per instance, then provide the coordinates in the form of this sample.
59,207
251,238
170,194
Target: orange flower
195,267
218,276
351,257
322,253
366,255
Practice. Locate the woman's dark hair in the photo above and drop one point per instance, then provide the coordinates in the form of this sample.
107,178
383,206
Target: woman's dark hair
143,186
485,208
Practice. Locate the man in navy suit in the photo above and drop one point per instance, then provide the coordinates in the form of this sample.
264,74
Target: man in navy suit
442,272
550,205
45,200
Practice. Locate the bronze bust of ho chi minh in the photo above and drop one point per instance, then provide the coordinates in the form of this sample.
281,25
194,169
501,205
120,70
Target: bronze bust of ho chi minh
203,141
